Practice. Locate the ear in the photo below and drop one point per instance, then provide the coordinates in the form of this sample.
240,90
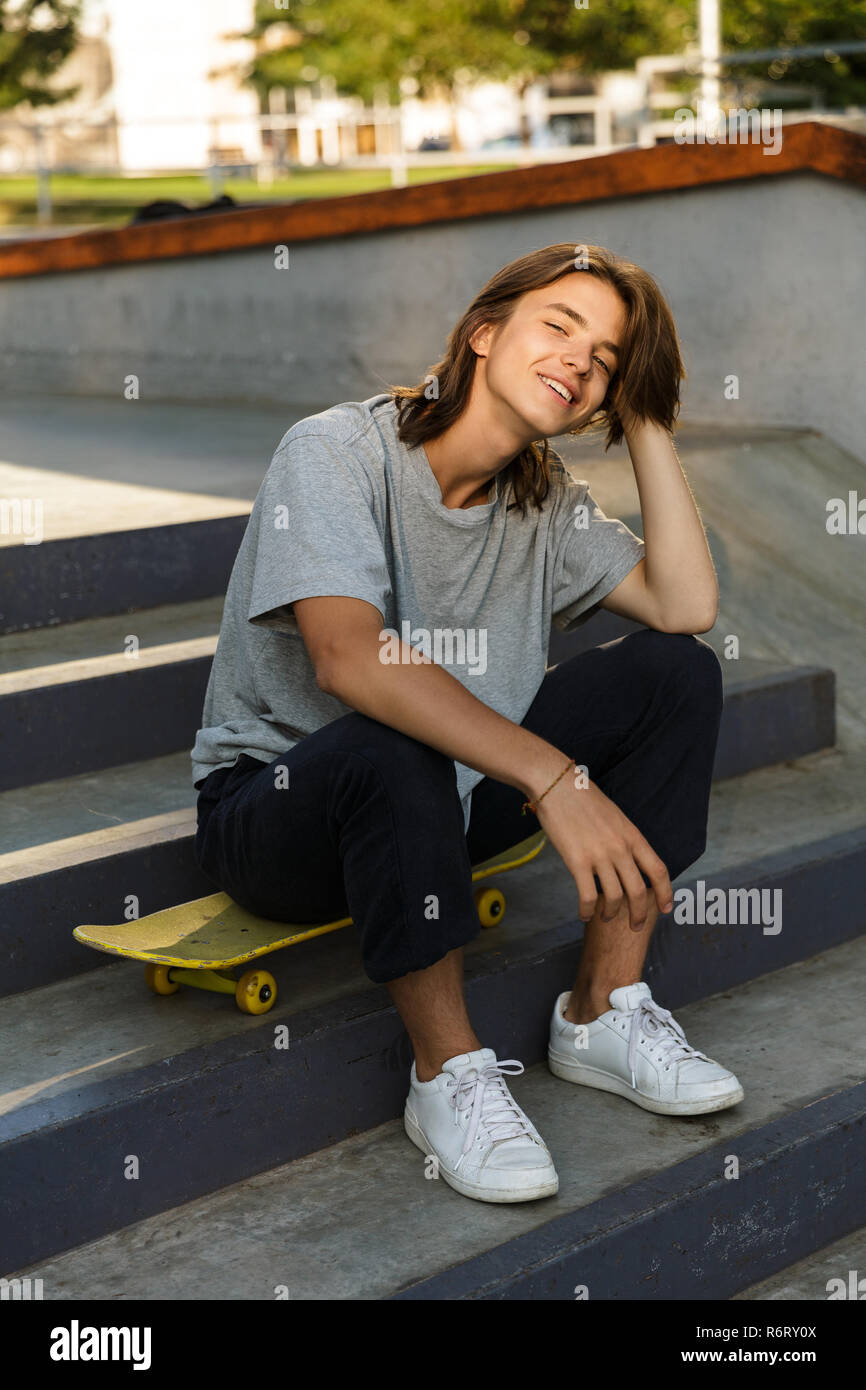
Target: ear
479,340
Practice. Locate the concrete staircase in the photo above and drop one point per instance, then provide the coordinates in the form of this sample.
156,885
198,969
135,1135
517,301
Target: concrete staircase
296,1155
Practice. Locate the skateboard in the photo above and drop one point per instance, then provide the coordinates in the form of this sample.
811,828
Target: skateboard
197,943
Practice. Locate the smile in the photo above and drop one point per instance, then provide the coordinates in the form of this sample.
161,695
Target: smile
557,388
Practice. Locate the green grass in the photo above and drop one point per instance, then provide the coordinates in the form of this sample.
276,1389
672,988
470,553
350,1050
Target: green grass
78,198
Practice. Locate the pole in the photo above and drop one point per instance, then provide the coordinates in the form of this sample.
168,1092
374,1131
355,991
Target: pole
43,179
709,25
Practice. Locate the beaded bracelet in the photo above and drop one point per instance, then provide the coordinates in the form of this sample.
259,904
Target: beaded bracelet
531,805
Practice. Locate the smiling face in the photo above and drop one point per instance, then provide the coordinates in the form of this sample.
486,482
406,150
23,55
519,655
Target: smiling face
566,332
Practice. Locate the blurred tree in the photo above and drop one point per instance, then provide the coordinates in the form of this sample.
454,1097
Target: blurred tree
372,46
365,45
36,38
840,79
559,37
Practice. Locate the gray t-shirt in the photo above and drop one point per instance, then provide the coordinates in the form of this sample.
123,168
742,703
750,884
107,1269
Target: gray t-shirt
346,508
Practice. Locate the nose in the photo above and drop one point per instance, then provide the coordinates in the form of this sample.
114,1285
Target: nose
579,356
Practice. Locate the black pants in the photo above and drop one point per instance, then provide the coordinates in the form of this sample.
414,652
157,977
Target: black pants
360,819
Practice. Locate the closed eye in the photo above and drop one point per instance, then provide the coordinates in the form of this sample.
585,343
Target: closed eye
565,331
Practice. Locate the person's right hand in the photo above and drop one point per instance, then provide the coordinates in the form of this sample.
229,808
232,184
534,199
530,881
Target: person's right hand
594,837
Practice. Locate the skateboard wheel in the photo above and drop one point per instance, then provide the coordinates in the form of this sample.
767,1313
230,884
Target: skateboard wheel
157,979
490,903
256,992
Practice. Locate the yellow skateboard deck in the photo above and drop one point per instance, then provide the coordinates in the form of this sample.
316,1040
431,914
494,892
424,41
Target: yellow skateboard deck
209,935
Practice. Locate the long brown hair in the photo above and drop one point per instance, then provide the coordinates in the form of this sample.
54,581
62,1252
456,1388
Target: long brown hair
647,377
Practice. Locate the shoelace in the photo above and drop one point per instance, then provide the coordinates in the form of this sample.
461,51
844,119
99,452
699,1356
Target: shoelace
662,1029
484,1090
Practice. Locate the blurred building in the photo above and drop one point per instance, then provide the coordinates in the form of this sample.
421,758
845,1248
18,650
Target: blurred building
158,91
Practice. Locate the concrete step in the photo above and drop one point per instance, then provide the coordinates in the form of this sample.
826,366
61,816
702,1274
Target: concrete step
76,847
80,577
837,1271
119,688
116,1066
112,690
95,1058
115,505
656,1214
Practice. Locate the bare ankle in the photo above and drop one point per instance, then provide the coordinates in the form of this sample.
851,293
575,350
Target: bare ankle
428,1065
585,1008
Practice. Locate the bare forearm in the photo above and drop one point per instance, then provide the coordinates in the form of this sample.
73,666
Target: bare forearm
426,702
679,567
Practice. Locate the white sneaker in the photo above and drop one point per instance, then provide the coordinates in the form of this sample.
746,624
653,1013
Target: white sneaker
485,1146
638,1050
